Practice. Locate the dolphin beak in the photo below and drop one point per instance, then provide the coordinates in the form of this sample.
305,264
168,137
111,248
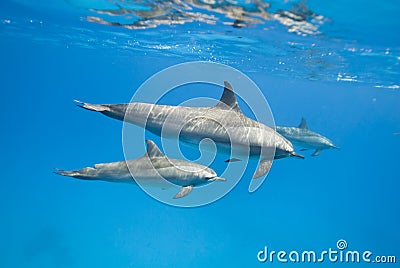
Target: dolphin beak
297,155
217,179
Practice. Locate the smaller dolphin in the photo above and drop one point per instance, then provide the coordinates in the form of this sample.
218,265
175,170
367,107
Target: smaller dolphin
302,136
150,170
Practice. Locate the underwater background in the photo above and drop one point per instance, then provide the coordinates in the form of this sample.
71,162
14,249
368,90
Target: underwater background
335,63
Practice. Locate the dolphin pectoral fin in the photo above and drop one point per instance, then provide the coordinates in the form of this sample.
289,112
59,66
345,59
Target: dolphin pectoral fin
91,107
232,160
263,168
304,149
316,153
185,190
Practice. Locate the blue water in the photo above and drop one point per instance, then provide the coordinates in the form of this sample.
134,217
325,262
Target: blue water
343,77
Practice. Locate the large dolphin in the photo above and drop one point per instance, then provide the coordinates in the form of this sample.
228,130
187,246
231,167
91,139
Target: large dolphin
149,170
303,137
224,123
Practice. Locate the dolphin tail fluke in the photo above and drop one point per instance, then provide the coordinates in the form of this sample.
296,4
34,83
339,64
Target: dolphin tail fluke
185,190
81,174
91,107
263,168
64,172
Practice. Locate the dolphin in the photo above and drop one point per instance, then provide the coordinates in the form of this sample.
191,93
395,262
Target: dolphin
302,136
224,123
149,170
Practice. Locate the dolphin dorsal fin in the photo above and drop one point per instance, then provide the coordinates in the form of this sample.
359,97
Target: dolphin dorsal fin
152,149
303,124
228,99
